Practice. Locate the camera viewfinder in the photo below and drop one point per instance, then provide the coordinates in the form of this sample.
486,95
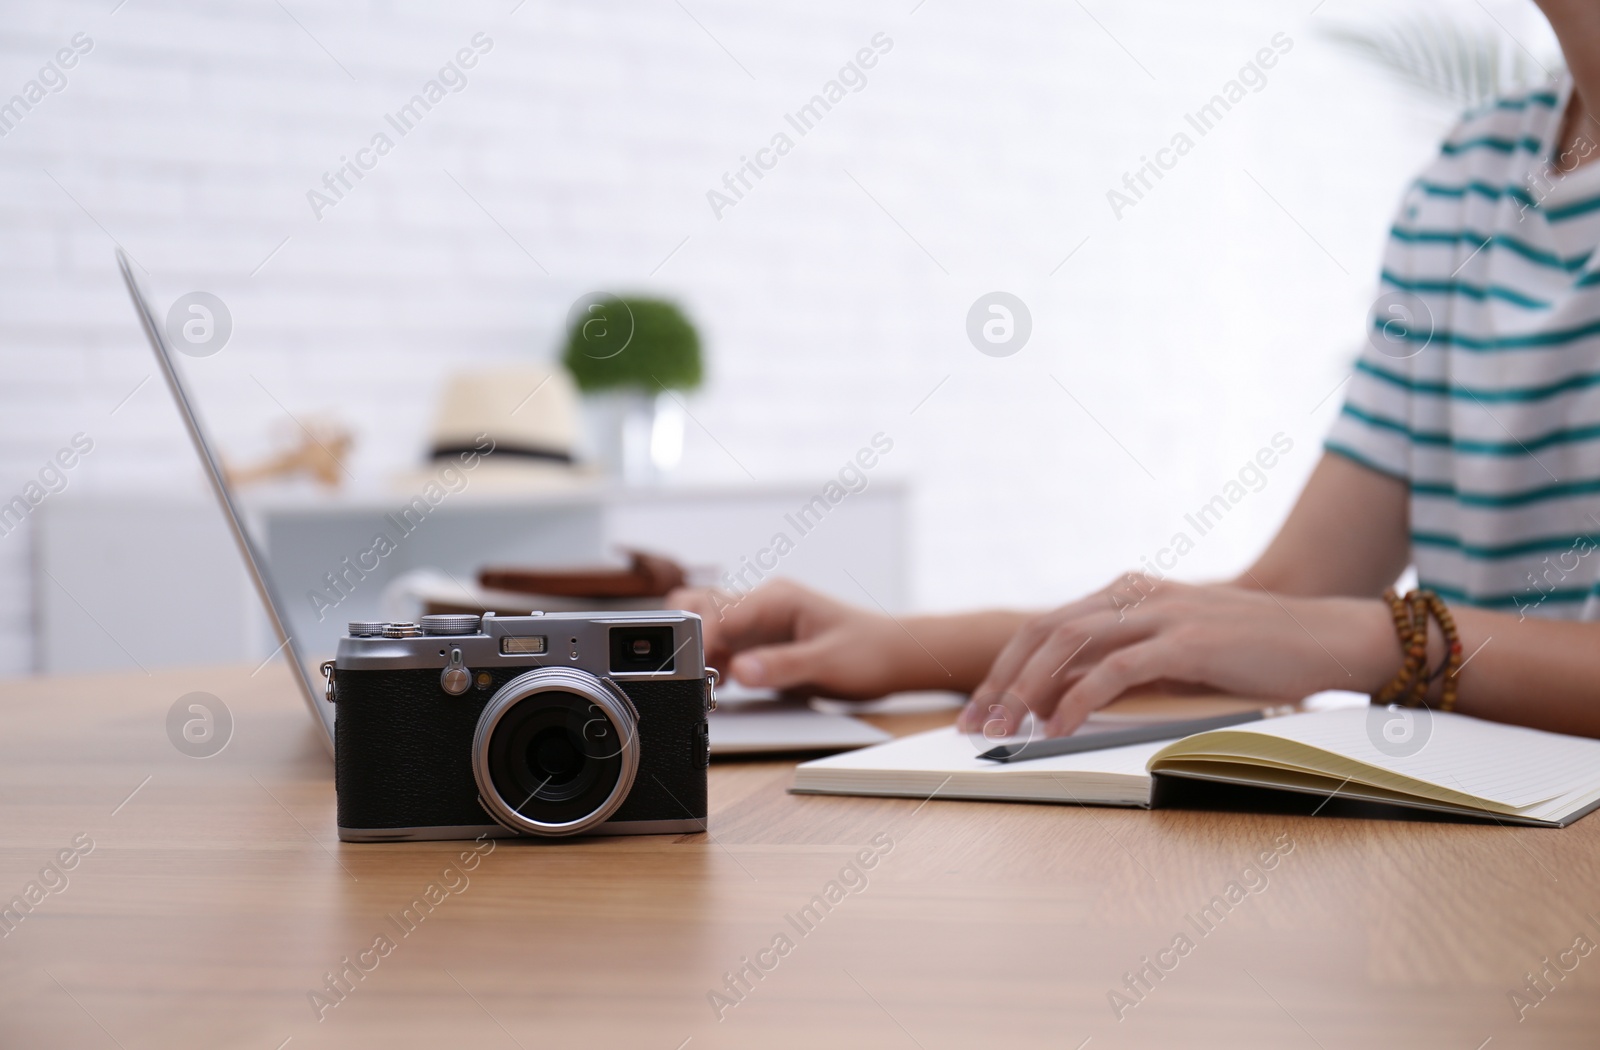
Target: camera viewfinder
642,649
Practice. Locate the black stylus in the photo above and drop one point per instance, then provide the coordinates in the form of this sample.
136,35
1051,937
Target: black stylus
1067,745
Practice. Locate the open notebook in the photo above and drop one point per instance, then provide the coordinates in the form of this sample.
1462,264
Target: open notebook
1467,766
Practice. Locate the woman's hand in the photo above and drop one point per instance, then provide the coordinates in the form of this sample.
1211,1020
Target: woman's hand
783,636
1071,661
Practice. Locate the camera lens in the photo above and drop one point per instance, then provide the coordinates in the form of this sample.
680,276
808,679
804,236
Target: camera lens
555,752
543,762
553,756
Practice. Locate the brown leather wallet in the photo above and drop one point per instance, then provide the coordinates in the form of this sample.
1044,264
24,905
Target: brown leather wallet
647,576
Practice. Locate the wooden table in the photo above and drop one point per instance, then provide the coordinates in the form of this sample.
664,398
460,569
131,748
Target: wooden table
216,899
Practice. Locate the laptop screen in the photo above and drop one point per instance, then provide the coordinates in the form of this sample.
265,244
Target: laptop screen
310,690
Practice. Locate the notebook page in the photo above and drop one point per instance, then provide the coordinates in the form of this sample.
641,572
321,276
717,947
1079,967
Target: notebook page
949,751
1509,765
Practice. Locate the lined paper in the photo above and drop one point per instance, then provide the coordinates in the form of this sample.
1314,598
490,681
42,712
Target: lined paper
1462,763
945,762
1509,765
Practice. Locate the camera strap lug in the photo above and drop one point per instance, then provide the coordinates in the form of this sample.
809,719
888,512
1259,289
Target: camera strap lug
327,674
713,676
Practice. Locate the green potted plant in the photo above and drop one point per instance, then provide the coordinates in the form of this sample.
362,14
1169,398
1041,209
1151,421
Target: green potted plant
628,355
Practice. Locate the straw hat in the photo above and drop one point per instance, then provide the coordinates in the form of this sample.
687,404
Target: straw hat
528,414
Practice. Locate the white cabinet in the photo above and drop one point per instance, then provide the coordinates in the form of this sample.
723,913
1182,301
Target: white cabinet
121,581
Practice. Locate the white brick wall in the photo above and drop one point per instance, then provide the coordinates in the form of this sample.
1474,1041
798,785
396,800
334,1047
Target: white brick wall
1193,328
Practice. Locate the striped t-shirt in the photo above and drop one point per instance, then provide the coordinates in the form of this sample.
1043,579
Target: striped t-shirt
1480,382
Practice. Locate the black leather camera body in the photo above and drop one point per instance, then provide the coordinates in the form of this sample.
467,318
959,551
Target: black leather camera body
544,725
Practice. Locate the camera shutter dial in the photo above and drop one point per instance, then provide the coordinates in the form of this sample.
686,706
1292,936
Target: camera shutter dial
449,623
455,679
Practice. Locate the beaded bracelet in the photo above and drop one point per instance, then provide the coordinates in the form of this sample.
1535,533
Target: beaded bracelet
1411,661
1410,685
1452,659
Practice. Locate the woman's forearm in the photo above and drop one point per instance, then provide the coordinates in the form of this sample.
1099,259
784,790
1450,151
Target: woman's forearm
954,651
1539,673
1347,535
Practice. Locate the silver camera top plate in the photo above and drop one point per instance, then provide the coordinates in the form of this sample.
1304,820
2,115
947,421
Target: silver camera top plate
570,639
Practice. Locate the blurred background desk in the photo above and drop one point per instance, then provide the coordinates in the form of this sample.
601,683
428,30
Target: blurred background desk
216,898
157,581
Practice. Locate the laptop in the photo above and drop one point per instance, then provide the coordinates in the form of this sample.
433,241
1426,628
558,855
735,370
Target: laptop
750,724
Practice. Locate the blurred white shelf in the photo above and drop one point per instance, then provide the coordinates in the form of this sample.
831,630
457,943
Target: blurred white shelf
140,580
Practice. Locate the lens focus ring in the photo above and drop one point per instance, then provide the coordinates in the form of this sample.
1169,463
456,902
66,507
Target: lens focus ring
555,752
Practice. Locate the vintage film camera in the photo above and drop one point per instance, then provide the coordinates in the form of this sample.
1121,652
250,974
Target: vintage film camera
544,725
